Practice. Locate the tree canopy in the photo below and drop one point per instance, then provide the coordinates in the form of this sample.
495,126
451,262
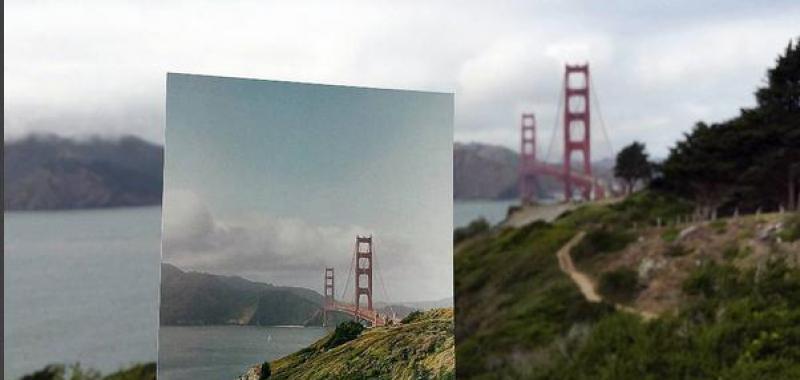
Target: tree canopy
632,165
744,162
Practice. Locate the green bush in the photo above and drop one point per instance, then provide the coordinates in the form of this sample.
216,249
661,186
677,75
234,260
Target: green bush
719,226
474,228
791,228
670,234
412,317
619,285
266,371
599,241
730,252
676,250
345,332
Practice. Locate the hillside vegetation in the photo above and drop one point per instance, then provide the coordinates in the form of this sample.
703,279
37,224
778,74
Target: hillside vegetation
420,349
145,371
721,314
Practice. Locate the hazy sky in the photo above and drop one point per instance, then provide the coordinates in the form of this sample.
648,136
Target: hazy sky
658,66
273,180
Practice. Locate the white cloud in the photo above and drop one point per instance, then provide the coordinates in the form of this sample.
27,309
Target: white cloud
291,252
98,66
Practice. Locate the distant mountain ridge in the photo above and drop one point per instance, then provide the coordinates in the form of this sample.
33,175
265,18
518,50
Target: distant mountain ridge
47,172
484,171
194,298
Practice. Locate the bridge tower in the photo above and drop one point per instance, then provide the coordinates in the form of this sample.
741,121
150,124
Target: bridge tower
363,271
577,117
527,159
329,295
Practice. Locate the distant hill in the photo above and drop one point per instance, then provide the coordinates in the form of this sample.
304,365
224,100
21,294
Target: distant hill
192,298
484,171
46,172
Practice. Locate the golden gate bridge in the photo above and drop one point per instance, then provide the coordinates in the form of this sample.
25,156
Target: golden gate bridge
577,140
362,267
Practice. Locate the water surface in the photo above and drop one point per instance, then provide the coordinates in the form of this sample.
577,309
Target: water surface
225,352
493,211
80,286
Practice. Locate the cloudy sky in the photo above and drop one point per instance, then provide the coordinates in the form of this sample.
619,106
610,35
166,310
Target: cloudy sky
658,66
273,181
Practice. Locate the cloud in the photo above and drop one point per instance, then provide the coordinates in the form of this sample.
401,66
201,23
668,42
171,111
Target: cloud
292,252
98,67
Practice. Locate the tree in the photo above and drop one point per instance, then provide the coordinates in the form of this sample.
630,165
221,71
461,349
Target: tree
266,371
745,162
632,165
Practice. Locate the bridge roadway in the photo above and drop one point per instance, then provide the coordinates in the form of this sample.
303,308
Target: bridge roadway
364,314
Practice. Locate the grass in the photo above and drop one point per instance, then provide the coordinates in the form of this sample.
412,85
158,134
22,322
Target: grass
423,349
670,234
512,301
791,228
600,241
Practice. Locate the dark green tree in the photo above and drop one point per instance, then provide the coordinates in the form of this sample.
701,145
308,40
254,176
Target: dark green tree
266,372
745,162
632,165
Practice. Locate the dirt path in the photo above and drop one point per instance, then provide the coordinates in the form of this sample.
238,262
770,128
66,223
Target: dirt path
567,266
585,284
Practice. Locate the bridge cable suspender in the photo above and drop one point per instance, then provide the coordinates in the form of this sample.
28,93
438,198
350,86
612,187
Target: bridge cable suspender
383,285
596,100
349,274
556,128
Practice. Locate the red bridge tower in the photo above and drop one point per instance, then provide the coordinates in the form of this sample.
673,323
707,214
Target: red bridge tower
329,294
527,164
576,128
363,271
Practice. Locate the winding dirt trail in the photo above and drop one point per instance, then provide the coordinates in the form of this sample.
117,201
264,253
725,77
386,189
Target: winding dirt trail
585,284
567,266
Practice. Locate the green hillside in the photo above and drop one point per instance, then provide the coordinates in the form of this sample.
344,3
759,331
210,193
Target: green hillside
421,348
519,316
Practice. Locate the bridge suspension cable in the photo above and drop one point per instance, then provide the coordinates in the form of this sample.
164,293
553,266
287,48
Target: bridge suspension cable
383,286
596,101
556,124
349,275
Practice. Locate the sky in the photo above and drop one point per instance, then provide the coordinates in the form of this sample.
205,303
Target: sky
272,181
99,67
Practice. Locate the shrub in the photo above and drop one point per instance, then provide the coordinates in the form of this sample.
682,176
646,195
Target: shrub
719,226
670,234
345,332
601,240
266,372
474,228
791,228
730,252
676,250
619,285
412,317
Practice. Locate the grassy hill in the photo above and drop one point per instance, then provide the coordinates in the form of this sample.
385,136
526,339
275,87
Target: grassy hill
422,348
732,312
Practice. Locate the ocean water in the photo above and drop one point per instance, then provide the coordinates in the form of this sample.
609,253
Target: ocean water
80,286
225,352
467,211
